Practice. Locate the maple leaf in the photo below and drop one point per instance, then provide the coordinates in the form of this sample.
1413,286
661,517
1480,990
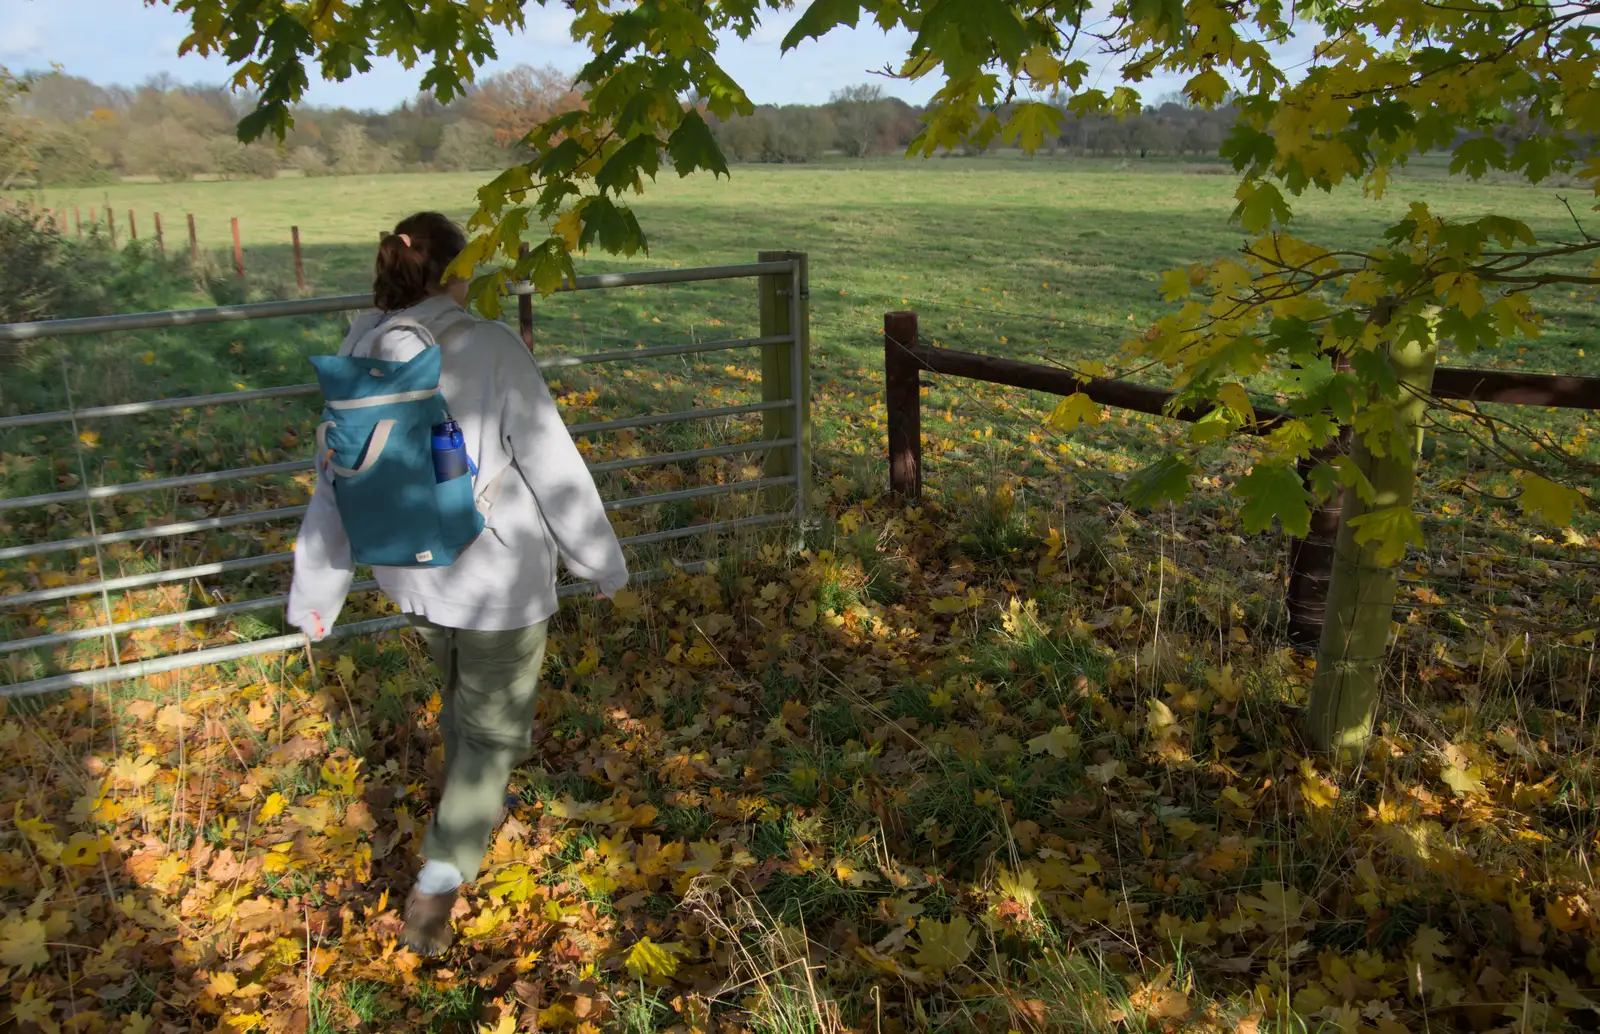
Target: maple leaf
1059,742
507,1023
1549,501
1073,410
1392,529
655,961
135,771
941,947
1274,490
22,944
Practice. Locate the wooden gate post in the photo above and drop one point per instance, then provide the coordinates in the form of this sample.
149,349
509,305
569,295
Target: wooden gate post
299,266
525,307
783,313
902,397
194,243
238,252
161,242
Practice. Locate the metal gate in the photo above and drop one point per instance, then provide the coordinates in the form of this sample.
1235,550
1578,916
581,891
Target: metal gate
783,341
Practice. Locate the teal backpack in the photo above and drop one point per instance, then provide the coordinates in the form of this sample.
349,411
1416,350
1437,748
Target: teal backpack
376,437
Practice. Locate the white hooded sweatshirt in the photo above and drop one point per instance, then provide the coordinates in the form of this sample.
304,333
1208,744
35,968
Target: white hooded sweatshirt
538,498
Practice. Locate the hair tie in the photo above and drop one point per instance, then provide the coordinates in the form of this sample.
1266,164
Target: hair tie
405,238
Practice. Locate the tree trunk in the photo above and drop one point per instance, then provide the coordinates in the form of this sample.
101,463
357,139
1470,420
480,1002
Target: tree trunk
1355,634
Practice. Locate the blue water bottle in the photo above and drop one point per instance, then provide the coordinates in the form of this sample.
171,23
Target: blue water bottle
450,459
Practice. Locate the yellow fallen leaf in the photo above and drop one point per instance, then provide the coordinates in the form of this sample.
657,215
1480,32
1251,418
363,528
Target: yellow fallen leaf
657,961
22,944
944,946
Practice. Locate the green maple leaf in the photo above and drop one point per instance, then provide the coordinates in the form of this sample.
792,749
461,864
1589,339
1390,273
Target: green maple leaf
622,170
612,226
1390,530
820,18
1260,205
1274,490
1387,120
1250,149
691,146
1165,479
1477,155
1030,123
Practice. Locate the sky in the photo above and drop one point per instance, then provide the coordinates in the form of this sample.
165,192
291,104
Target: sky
124,42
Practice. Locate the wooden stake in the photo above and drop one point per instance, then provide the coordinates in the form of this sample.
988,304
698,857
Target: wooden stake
133,227
299,267
77,220
902,395
194,242
111,222
525,308
161,242
238,251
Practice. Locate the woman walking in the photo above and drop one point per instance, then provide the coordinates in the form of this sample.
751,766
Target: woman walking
484,615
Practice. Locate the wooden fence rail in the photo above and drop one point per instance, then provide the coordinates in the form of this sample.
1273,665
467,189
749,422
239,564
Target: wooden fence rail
906,359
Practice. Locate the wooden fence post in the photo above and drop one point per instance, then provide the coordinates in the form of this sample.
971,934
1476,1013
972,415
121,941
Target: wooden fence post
238,251
111,222
902,396
525,307
161,242
783,313
92,220
77,220
1311,558
299,266
194,243
133,227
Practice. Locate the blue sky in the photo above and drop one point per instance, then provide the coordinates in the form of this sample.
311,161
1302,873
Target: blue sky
125,42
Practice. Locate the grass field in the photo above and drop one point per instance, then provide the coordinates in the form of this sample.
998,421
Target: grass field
1016,759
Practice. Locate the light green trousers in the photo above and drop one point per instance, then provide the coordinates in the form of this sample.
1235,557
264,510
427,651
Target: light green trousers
491,684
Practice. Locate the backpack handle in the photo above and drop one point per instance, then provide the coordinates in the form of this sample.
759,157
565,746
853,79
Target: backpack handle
375,444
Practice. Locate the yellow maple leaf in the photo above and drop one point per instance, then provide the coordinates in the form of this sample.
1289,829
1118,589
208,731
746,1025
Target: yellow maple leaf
854,875
22,944
569,227
135,771
1021,887
944,946
588,662
272,807
30,1008
1552,502
626,602
805,615
656,961
1073,410
506,1025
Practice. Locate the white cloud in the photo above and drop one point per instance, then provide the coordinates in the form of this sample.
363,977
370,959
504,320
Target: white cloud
23,39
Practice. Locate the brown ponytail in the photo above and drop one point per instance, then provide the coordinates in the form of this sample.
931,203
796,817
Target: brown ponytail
412,260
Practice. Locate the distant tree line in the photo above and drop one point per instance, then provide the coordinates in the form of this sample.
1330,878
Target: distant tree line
62,129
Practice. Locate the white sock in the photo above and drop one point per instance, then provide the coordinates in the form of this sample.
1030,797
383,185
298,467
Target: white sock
438,877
